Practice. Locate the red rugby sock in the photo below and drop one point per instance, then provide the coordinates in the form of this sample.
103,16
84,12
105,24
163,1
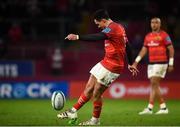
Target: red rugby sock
81,101
97,109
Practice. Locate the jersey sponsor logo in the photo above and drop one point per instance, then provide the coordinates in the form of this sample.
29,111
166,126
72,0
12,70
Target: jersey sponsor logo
106,30
157,38
152,43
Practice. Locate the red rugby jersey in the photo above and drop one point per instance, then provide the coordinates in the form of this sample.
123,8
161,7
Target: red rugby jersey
157,43
114,58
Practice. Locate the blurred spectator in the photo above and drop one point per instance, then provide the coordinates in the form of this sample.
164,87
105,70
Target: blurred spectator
62,6
3,47
15,33
56,64
32,8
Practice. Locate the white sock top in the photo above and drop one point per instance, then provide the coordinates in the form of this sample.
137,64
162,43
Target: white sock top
73,109
95,119
150,106
163,105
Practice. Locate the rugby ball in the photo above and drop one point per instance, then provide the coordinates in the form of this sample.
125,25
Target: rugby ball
58,100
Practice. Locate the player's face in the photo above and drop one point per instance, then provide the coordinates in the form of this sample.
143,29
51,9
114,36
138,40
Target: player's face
101,24
155,24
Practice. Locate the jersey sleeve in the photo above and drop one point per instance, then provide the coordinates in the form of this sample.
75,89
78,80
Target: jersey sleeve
167,40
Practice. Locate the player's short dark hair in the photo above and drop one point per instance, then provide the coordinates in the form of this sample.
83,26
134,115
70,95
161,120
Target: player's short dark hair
101,14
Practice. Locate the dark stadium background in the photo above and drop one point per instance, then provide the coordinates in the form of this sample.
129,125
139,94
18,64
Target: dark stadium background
35,60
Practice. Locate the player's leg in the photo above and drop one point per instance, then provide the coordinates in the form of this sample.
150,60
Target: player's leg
156,92
97,100
154,81
97,105
86,94
152,95
148,110
161,74
84,97
104,79
155,73
163,108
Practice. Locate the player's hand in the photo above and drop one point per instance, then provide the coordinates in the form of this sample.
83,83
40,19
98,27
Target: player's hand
170,68
133,69
135,64
72,37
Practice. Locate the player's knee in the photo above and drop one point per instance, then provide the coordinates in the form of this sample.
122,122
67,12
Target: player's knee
97,93
154,83
89,90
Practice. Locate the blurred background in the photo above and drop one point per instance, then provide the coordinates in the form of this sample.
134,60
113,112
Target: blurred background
35,59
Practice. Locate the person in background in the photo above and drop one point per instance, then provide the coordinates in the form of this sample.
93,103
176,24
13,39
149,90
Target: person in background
156,43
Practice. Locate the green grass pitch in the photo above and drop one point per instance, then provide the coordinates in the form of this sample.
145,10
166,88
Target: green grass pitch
114,113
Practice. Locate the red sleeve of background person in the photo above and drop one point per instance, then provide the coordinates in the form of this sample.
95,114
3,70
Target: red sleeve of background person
167,39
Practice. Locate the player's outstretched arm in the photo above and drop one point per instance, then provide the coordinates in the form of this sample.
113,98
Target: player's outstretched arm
171,58
88,37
